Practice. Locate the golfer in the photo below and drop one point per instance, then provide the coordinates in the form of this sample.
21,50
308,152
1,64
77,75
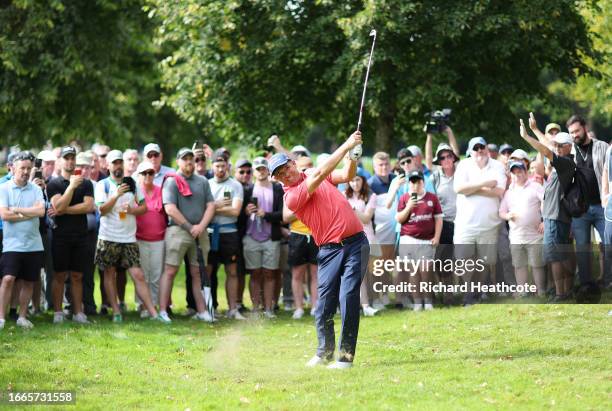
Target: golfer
343,246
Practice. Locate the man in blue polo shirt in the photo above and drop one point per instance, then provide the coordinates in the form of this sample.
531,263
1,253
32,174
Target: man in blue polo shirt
21,206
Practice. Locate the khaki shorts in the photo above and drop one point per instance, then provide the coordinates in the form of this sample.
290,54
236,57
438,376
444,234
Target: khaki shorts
482,245
527,254
264,254
179,242
415,249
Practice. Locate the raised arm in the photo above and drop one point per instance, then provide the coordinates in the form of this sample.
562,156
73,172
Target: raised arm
452,141
541,148
347,173
429,151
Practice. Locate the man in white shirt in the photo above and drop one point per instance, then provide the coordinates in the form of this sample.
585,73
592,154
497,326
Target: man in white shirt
119,202
479,182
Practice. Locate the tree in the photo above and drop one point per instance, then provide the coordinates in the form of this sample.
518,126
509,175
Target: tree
79,69
243,69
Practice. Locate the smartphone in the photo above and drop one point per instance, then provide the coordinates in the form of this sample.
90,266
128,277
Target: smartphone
38,174
254,201
77,172
413,196
130,182
38,163
401,172
227,195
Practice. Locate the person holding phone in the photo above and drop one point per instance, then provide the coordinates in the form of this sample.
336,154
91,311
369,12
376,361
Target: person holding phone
420,215
117,247
264,212
72,198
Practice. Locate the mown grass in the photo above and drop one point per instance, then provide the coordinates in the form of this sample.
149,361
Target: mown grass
482,357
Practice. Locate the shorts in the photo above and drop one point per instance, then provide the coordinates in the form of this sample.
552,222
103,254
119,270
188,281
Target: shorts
69,253
229,249
119,255
23,265
264,254
527,254
557,244
302,250
415,248
482,245
179,243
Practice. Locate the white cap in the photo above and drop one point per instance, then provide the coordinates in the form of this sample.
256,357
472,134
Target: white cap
518,153
300,148
563,138
415,150
114,155
46,155
151,147
144,166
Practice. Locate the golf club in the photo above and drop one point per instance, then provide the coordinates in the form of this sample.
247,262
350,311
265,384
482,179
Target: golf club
356,152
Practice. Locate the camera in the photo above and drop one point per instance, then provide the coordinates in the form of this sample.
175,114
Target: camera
438,120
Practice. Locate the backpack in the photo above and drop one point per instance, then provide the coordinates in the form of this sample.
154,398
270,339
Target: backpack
575,196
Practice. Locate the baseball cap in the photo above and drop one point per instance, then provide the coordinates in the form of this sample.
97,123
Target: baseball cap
114,155
444,147
518,164
243,162
260,162
220,155
415,174
518,153
184,152
84,159
552,126
473,142
151,147
67,151
403,153
144,166
563,138
276,161
46,155
493,147
415,150
506,147
300,149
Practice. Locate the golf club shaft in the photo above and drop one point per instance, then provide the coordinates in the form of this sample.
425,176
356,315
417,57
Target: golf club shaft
365,84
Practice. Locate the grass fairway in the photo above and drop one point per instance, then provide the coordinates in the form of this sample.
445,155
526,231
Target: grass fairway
487,356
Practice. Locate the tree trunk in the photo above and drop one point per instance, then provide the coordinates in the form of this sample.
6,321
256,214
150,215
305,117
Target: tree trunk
384,130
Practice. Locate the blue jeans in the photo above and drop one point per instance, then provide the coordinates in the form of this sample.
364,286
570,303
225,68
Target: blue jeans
608,257
341,270
581,227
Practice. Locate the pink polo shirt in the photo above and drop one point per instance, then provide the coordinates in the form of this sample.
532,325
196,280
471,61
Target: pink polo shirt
526,202
151,226
326,212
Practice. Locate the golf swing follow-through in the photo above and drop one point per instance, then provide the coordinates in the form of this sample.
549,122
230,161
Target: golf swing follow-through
343,247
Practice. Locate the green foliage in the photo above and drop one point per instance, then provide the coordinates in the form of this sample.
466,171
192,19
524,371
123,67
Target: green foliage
78,69
243,69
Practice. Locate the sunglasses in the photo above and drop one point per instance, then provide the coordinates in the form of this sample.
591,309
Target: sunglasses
478,147
442,158
200,160
102,156
404,162
242,172
151,155
148,173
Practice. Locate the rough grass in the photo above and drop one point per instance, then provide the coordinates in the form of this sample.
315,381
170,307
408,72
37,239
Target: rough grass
482,357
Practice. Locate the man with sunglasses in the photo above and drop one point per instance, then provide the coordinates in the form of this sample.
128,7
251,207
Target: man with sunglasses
244,175
480,183
101,151
153,153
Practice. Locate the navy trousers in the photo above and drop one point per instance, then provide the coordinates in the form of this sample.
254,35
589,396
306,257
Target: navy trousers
341,270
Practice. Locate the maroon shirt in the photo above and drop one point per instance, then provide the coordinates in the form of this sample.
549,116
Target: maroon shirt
421,222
